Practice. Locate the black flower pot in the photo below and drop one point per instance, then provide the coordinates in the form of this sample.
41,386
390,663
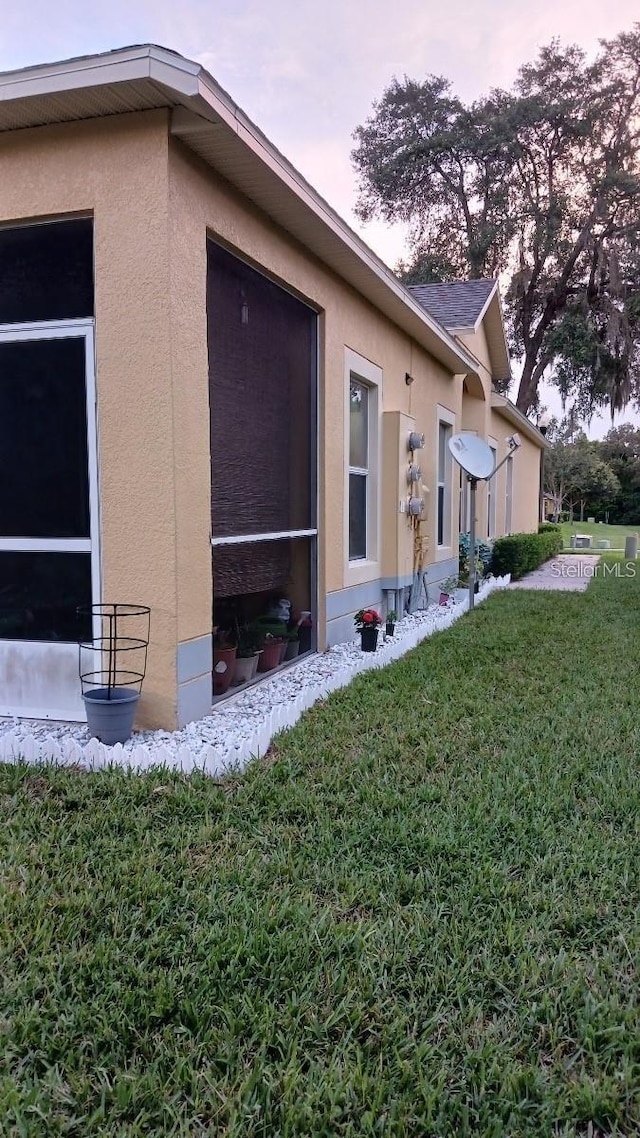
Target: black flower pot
390,628
369,640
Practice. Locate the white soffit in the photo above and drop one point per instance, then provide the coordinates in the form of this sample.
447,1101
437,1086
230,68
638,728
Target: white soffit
207,120
508,410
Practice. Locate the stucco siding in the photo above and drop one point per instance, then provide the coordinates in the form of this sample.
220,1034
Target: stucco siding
116,169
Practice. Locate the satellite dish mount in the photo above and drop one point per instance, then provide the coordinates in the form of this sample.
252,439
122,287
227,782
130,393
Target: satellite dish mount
475,457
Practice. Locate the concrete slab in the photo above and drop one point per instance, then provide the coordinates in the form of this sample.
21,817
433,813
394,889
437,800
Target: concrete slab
567,572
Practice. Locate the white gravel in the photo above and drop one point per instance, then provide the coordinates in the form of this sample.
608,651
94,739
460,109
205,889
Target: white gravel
242,727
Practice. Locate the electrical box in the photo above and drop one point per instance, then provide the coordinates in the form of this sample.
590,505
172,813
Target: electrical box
397,528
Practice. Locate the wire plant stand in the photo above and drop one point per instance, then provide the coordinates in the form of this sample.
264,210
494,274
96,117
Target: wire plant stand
117,664
112,666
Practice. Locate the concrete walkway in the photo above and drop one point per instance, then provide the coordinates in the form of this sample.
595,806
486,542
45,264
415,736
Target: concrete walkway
567,572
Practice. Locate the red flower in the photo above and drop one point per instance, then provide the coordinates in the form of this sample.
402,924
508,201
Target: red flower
368,618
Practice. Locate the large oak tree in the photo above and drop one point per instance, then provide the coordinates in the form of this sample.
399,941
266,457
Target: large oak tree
540,184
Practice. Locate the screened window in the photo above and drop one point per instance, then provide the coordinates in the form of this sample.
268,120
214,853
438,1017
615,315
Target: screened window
443,523
44,484
40,594
359,452
46,271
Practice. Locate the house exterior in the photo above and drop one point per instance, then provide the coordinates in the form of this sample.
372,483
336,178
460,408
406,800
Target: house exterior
208,384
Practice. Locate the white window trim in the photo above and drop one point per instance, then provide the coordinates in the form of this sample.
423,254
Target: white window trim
64,330
364,371
443,552
492,491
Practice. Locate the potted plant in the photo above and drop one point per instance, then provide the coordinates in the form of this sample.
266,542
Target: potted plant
224,656
446,589
392,616
270,655
112,668
293,644
247,658
367,621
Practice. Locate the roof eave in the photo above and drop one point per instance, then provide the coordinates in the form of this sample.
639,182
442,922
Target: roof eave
189,86
513,415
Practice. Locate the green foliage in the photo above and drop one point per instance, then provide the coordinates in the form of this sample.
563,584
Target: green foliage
575,474
416,917
549,527
620,449
540,184
483,557
521,553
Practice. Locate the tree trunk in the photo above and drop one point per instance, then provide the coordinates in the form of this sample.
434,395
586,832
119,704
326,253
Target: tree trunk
527,387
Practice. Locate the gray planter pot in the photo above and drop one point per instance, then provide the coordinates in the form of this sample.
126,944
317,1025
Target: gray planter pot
245,669
293,648
110,714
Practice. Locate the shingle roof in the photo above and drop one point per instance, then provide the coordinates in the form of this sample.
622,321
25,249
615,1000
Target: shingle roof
455,305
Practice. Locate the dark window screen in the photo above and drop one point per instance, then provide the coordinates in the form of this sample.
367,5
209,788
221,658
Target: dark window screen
258,567
46,272
262,391
44,485
440,515
357,516
39,595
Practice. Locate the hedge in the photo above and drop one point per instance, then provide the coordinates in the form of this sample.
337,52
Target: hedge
549,527
521,552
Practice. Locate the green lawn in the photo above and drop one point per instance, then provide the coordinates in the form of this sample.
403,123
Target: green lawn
418,916
615,534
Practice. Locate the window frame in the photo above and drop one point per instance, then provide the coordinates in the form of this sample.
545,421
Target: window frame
444,418
59,330
358,369
492,489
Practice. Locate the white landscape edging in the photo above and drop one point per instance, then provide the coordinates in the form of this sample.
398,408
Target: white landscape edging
247,724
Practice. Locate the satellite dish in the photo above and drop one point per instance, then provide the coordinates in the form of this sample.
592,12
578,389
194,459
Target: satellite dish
473,454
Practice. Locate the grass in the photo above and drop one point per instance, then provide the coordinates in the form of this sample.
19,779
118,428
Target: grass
417,917
599,531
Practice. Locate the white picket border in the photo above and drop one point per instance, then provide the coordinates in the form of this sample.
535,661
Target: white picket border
213,761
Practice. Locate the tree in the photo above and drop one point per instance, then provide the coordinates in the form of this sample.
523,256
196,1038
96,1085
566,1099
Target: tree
621,450
576,475
541,184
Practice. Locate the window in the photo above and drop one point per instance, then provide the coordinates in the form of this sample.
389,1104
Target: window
46,271
509,499
443,519
358,468
491,498
363,381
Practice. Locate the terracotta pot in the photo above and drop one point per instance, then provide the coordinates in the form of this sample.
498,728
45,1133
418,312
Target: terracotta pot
444,598
369,639
223,668
270,657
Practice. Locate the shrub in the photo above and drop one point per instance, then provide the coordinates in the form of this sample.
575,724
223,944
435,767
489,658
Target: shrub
520,553
483,556
549,527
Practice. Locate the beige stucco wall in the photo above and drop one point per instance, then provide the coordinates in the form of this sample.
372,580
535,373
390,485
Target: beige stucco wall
201,202
116,168
526,480
153,204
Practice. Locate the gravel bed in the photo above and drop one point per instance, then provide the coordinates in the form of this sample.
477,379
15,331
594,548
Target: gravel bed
238,729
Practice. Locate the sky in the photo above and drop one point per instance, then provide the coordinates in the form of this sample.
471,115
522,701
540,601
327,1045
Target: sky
308,73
